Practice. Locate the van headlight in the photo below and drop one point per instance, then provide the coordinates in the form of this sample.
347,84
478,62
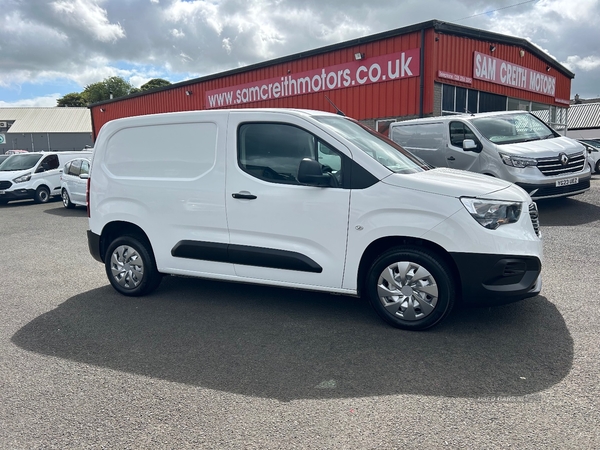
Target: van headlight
23,178
492,213
517,161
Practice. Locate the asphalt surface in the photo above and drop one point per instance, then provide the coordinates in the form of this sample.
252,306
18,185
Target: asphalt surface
203,364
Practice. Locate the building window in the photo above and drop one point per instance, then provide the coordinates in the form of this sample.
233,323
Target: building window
459,100
491,102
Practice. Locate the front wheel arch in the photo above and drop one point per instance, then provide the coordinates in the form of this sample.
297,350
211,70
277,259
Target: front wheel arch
380,246
42,194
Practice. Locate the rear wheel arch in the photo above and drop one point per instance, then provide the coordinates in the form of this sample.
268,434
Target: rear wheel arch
113,230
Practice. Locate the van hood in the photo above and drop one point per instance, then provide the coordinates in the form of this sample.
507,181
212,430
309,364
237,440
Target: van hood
542,148
9,175
458,183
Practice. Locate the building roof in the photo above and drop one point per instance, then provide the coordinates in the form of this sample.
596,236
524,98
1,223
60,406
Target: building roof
584,115
47,120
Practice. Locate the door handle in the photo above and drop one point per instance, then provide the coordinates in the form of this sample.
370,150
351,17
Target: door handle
244,195
451,158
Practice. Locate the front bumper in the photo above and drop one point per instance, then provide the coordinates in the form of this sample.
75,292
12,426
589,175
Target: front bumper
17,194
549,190
488,280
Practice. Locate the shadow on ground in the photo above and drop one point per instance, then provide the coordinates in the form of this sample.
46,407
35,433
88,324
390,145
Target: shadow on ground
561,212
287,344
78,211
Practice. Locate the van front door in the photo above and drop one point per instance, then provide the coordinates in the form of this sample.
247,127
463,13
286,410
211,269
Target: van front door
279,229
456,156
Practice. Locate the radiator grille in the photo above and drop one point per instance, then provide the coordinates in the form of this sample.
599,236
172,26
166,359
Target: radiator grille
561,164
535,218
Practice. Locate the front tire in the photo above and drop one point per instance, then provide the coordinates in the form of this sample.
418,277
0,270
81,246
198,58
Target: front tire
411,288
42,195
598,166
130,266
67,203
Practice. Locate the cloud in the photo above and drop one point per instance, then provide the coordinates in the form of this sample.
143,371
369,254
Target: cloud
87,16
47,101
88,40
586,64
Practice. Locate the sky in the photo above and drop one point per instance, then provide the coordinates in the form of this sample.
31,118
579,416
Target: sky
49,48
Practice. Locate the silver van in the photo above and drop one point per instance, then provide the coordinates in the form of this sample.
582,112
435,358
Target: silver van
513,145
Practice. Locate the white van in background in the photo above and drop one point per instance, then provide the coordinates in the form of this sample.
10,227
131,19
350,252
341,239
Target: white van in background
34,175
306,200
512,145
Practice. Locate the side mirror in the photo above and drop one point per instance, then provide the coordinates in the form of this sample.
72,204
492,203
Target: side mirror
469,145
309,172
84,176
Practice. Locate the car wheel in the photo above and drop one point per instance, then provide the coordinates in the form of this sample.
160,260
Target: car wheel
598,166
42,195
67,203
410,288
130,266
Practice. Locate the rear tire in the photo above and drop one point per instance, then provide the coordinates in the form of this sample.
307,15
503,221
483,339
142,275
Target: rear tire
67,203
130,266
42,195
411,288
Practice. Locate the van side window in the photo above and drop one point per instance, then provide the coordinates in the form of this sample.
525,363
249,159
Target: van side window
273,151
459,132
49,162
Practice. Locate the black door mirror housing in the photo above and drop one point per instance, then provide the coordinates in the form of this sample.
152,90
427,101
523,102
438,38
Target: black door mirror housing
310,172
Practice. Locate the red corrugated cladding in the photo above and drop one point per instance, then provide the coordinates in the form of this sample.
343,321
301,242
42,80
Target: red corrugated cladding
386,99
398,98
455,54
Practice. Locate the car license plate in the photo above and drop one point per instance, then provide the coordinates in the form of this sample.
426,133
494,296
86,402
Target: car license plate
567,182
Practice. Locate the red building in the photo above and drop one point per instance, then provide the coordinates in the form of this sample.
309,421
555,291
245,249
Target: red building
427,69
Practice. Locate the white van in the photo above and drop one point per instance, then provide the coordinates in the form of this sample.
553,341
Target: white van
513,145
33,175
307,200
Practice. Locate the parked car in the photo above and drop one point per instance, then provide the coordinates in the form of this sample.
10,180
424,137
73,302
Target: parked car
33,175
512,145
73,182
593,148
244,195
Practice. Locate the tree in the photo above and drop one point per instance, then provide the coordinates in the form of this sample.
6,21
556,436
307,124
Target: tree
72,100
154,83
98,92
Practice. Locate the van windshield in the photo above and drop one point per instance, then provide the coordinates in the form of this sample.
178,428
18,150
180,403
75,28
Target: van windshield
377,146
513,128
19,162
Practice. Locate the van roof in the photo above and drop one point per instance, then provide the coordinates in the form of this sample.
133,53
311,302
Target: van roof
467,116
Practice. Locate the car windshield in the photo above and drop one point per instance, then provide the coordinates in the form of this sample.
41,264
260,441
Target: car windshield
513,128
20,162
377,146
